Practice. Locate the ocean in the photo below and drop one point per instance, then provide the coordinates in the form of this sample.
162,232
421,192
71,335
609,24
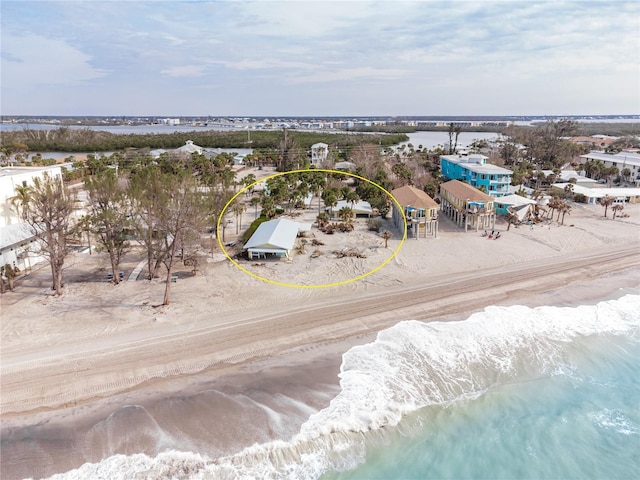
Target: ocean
508,393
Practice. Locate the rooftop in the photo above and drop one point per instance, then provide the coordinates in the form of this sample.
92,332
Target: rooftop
414,197
476,163
628,158
465,191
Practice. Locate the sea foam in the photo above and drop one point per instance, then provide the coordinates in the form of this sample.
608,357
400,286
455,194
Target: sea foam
408,367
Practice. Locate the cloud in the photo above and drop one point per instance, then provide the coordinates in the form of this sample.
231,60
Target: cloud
369,74
463,54
185,71
36,60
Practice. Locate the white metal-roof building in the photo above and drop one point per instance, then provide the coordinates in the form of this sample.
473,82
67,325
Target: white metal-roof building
620,160
272,238
566,176
516,201
593,195
189,147
358,208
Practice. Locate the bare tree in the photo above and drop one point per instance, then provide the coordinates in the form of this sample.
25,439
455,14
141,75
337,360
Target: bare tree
109,216
148,191
47,212
181,219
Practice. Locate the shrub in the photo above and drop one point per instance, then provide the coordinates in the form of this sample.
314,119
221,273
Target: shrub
253,227
579,198
374,224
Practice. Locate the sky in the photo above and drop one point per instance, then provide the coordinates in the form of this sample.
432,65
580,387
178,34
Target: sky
326,58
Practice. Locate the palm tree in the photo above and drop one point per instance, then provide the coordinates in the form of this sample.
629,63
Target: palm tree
386,235
561,207
322,219
606,202
617,209
553,205
268,206
249,180
254,202
566,208
568,189
21,199
238,209
511,218
84,226
352,197
346,214
330,201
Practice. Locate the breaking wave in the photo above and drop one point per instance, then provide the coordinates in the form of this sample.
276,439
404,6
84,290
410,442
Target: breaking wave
408,367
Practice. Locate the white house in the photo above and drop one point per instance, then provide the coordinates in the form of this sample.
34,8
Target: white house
319,153
189,147
566,176
17,243
620,160
345,166
274,238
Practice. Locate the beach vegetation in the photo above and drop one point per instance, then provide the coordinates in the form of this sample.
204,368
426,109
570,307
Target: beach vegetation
374,224
9,273
323,220
579,198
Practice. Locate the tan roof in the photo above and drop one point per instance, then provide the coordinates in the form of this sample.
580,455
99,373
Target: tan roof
414,197
464,191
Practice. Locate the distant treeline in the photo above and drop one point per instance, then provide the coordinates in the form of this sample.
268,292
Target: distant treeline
606,128
427,128
582,128
66,139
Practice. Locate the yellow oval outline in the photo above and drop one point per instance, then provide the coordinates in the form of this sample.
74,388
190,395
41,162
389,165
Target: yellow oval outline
322,285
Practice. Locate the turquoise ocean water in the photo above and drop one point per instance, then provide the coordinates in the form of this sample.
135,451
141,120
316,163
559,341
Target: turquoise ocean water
581,422
509,393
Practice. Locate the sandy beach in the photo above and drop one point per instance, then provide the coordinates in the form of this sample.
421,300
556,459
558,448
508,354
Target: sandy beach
229,344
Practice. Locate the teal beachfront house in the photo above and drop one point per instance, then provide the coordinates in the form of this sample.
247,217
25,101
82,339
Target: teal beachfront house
474,170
